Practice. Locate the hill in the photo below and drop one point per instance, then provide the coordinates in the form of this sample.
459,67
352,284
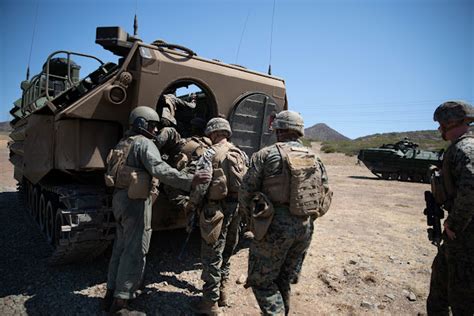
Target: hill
5,127
322,132
427,140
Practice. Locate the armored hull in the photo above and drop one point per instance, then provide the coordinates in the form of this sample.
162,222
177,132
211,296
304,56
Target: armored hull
401,161
64,125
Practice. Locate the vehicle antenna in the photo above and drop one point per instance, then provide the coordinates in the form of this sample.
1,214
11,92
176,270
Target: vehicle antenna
32,41
241,37
135,21
271,41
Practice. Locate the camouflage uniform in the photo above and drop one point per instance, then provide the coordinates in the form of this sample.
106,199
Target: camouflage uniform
276,260
215,254
167,141
133,219
452,278
216,257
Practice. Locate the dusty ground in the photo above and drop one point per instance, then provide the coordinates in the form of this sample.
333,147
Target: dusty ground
370,255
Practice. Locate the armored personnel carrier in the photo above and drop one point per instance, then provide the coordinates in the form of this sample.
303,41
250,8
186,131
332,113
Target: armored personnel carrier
64,126
402,161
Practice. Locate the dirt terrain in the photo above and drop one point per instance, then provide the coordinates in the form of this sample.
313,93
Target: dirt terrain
370,255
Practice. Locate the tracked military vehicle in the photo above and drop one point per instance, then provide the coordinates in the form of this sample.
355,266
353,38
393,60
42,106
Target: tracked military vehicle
402,161
64,126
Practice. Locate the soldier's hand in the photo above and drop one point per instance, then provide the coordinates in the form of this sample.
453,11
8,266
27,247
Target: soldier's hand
449,232
200,178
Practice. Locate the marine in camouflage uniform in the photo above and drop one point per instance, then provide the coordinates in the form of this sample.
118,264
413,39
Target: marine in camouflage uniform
133,216
216,253
186,152
275,259
452,277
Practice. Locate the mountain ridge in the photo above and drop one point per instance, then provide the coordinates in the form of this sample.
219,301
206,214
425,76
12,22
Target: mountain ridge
322,132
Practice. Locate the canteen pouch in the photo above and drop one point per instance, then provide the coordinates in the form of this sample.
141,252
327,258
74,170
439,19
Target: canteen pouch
262,216
140,185
210,223
218,186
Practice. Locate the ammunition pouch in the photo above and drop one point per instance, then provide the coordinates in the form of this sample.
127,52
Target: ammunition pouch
181,161
218,186
210,223
262,216
140,185
154,192
325,204
277,187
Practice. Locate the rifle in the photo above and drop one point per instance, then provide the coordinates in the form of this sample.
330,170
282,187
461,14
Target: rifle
434,214
192,223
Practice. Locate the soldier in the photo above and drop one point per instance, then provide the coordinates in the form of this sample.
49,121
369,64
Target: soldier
131,166
218,220
284,190
452,277
189,150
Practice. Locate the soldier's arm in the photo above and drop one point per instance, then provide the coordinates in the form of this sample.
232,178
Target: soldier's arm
252,181
162,137
463,207
151,159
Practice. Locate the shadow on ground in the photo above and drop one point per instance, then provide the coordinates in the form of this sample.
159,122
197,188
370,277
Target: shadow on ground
76,289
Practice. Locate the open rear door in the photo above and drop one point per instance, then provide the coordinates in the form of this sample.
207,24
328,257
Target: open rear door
251,122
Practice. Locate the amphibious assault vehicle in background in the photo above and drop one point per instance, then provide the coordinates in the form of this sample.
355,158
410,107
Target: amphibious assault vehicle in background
64,126
402,161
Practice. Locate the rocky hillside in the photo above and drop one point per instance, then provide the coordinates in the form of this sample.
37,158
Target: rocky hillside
427,140
5,127
322,132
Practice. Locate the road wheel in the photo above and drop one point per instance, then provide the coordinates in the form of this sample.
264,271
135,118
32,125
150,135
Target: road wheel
58,222
403,177
394,176
50,219
385,175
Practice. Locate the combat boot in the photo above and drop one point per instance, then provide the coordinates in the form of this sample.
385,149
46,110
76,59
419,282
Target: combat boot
224,294
107,300
117,306
206,307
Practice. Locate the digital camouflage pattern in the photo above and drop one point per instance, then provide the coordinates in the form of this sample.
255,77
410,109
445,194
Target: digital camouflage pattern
133,217
452,278
451,111
217,124
289,120
215,258
275,261
167,141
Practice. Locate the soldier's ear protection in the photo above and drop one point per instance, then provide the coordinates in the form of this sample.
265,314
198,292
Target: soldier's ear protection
139,124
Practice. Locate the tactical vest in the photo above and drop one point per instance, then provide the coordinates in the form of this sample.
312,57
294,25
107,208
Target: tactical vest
221,186
194,147
121,176
300,184
442,182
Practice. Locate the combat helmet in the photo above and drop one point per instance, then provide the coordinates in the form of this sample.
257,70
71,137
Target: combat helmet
452,111
289,120
217,124
141,117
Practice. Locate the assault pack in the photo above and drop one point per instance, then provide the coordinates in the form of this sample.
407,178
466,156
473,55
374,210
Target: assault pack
121,176
299,185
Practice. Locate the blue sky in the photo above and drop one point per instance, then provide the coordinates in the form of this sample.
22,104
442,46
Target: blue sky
360,66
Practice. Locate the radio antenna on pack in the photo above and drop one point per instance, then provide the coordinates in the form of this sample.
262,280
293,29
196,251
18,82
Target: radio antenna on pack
32,41
241,37
271,41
